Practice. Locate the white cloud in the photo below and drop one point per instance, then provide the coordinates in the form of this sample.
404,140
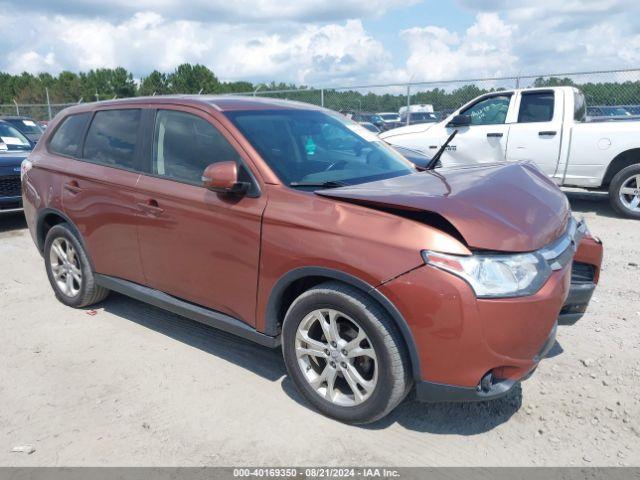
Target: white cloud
483,50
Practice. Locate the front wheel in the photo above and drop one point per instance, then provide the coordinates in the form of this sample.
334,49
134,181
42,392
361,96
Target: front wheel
344,354
624,192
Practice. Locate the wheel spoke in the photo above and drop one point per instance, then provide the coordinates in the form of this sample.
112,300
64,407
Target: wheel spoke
320,379
58,251
361,352
333,324
77,274
355,343
330,394
628,191
353,378
326,328
635,202
69,284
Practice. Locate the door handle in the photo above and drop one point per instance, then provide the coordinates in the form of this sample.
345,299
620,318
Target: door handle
547,133
151,206
494,135
73,187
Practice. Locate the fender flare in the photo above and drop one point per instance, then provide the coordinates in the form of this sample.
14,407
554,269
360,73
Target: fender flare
275,299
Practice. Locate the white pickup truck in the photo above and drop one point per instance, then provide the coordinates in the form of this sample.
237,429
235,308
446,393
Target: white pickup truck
546,126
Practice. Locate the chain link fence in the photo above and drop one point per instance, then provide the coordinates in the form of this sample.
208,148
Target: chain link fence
614,93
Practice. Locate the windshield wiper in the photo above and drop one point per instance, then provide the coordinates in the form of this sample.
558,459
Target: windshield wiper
434,161
329,184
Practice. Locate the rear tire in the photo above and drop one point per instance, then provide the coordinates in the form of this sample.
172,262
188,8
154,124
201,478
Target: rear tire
366,353
69,270
624,192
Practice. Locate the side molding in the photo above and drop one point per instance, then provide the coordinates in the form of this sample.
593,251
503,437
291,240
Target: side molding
194,312
275,300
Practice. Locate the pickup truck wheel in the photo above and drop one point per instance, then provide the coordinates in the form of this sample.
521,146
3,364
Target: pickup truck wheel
344,354
69,270
624,192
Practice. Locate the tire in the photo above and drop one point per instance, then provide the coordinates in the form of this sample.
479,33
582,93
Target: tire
82,291
625,178
350,308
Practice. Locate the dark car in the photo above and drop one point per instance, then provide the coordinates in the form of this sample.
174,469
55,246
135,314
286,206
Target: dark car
294,227
14,148
368,118
419,117
371,127
27,126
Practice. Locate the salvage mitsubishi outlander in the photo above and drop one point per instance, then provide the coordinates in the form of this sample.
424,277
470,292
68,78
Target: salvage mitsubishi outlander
294,227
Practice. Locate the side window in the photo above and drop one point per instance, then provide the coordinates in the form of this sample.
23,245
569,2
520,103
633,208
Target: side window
490,111
579,106
185,144
112,138
536,107
67,138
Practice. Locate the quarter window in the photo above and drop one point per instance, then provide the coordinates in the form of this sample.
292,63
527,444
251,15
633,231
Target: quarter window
67,138
184,145
490,111
536,107
112,138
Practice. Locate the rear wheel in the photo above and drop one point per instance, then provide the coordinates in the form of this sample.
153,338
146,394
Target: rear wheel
69,270
344,353
624,192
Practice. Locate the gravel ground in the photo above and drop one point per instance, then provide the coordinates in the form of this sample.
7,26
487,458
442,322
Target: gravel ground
128,384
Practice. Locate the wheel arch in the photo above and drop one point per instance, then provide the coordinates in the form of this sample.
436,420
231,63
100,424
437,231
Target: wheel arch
295,282
48,218
620,162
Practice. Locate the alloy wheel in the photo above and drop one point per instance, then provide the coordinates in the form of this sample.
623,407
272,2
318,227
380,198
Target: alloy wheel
630,193
336,357
65,267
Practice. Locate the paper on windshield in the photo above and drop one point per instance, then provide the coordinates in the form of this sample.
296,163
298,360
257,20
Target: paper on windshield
12,141
29,123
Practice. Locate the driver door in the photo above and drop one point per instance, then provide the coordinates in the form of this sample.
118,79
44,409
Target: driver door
196,244
485,139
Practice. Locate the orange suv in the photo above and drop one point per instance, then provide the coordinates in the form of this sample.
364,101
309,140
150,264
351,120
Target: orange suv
293,226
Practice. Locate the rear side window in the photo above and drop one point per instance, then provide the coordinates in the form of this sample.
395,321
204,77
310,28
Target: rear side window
536,107
184,145
112,138
67,138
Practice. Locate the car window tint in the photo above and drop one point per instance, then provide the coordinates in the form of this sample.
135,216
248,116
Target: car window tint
536,107
490,111
112,138
67,138
184,145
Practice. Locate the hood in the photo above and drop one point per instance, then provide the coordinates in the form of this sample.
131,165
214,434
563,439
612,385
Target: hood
413,128
501,207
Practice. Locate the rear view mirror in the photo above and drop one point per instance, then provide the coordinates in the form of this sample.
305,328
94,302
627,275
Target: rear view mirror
460,121
222,177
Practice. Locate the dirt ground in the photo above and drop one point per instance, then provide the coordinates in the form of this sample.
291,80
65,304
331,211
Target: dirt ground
130,384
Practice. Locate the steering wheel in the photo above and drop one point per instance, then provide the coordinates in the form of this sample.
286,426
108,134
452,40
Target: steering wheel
334,165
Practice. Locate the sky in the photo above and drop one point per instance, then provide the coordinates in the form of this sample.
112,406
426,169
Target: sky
322,42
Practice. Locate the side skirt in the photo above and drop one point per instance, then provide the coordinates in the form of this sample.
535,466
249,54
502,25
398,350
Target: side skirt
194,312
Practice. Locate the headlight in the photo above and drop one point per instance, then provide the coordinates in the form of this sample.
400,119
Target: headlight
495,275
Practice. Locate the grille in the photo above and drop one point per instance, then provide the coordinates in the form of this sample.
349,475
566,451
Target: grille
10,186
582,273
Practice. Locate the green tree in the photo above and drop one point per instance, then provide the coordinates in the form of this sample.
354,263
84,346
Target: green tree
155,84
189,78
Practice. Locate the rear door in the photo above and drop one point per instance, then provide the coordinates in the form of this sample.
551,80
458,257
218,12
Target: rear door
98,188
537,135
485,140
196,244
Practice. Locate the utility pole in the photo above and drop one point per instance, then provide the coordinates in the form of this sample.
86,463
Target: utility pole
17,107
46,89
408,104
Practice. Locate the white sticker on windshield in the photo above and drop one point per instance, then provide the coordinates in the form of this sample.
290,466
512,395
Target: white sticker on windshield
29,123
363,133
12,141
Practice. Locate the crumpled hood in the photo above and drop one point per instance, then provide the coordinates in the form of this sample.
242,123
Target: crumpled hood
504,207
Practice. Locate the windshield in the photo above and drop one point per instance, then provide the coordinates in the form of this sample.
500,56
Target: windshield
314,147
430,117
25,126
12,139
390,116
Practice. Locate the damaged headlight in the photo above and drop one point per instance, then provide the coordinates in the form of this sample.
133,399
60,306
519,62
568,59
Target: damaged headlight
495,275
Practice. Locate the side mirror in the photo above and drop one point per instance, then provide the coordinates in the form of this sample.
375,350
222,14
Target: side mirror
460,121
222,177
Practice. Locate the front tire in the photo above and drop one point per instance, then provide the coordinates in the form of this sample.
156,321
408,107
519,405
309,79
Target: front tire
624,192
69,270
344,354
